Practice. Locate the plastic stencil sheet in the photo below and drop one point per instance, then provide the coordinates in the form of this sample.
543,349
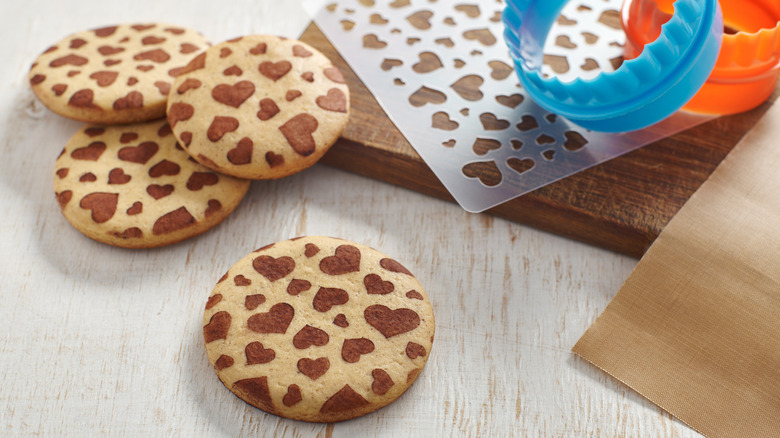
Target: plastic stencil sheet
441,71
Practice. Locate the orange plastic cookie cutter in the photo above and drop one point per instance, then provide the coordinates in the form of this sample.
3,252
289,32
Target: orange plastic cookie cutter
748,66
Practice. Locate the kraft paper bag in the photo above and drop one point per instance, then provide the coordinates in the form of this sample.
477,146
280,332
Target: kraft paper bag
696,327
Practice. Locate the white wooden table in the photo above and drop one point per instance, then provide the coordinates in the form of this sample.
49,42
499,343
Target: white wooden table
103,341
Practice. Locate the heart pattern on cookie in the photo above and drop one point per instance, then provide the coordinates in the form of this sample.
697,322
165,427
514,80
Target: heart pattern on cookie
273,268
314,368
233,95
273,114
276,320
391,322
274,70
346,338
143,174
346,260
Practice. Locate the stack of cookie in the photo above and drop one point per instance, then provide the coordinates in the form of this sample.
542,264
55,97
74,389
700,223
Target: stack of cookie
315,329
256,107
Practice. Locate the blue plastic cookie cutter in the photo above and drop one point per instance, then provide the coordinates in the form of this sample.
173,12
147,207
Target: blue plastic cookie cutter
641,92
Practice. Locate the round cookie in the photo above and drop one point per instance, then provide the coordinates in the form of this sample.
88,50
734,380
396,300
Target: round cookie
318,329
132,186
116,74
259,107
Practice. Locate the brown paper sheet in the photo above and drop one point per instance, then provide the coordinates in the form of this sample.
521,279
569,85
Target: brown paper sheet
696,327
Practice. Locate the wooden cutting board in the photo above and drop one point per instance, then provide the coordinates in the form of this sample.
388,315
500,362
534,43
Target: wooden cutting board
621,205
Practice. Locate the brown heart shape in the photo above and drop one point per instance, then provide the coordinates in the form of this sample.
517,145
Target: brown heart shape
163,168
382,381
256,353
92,152
274,160
173,221
268,109
220,126
242,153
118,176
133,100
273,268
328,297
308,336
314,368
393,266
83,99
274,70
252,302
375,285
391,322
218,327
352,349
276,320
297,286
345,260
335,101
298,132
103,205
415,350
198,180
293,396
139,154
233,95
104,78
158,192
179,112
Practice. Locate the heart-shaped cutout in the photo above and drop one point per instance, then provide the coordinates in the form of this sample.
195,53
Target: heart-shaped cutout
510,101
139,154
314,368
276,320
308,336
345,260
376,286
273,268
391,322
352,349
429,62
233,95
274,70
298,132
118,176
256,353
335,101
103,205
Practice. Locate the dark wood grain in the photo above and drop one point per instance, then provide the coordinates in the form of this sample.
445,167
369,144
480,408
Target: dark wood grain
621,205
